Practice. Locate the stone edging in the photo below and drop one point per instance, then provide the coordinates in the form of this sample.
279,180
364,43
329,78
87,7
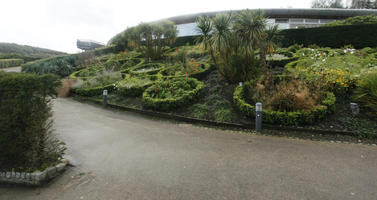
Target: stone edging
36,178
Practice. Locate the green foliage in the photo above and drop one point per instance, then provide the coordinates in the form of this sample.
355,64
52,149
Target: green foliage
366,92
60,65
26,142
64,65
133,86
199,110
238,44
95,85
285,118
359,36
10,62
149,38
357,20
172,94
338,69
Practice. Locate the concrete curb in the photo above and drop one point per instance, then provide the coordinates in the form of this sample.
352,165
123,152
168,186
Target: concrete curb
36,178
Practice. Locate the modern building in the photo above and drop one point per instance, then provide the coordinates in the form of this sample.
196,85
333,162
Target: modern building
285,18
88,44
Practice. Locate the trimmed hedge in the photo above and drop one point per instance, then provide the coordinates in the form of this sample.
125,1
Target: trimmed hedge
134,90
359,36
167,104
281,63
10,62
95,91
126,67
199,75
158,67
285,118
24,121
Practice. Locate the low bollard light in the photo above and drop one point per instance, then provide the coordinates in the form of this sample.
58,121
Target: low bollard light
258,117
104,97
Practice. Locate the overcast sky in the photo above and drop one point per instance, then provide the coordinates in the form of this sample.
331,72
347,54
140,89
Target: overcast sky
56,24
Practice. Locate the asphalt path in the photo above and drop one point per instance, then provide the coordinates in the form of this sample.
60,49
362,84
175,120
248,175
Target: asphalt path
121,155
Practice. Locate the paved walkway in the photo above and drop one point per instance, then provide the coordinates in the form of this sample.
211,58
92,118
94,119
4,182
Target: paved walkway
120,155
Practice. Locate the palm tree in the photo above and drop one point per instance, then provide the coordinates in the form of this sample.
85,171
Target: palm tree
222,33
250,26
204,29
267,44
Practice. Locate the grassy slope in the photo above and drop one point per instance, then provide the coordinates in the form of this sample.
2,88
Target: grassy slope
27,51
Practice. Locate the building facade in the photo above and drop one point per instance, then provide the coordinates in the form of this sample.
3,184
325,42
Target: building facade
285,18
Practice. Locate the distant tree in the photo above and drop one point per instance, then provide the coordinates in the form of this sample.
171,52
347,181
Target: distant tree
364,4
327,4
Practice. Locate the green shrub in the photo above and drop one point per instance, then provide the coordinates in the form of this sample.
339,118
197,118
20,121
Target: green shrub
26,142
366,92
94,86
172,94
199,110
285,118
60,65
133,86
359,36
10,62
223,115
357,20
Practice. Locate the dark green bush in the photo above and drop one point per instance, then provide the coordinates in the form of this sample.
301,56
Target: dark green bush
285,118
25,135
10,62
172,94
359,36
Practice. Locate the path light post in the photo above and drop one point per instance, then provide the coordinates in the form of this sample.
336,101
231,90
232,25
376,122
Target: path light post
258,117
104,97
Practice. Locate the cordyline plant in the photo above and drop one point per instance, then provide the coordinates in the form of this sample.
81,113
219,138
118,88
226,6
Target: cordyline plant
238,44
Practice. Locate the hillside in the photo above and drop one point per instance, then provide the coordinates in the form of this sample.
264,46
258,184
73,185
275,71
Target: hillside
28,53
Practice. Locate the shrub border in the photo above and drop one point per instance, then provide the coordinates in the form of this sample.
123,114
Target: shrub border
200,75
285,118
151,72
133,91
94,91
171,103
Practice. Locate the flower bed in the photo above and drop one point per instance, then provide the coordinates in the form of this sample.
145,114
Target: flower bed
286,118
134,86
172,94
199,72
147,69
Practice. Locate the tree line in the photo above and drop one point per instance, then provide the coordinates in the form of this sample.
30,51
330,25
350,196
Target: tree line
348,4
